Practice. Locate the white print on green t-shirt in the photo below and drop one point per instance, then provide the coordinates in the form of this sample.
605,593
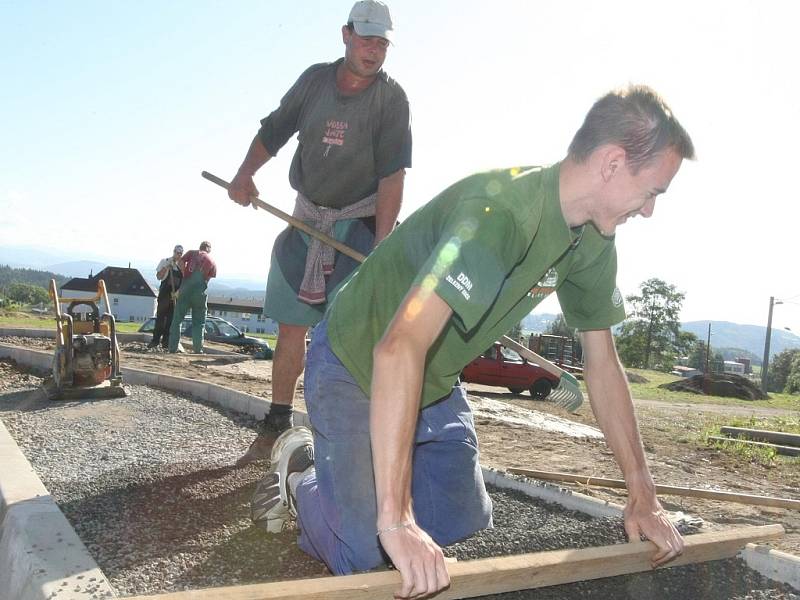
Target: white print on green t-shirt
461,283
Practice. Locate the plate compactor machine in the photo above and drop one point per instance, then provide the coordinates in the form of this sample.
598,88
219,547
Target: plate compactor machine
86,362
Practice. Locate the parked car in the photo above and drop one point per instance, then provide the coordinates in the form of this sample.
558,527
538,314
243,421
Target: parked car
503,367
220,331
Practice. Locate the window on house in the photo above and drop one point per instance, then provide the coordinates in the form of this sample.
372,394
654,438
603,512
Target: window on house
116,301
245,316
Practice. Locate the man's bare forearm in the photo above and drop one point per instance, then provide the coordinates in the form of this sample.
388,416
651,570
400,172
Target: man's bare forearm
256,157
390,199
611,402
399,363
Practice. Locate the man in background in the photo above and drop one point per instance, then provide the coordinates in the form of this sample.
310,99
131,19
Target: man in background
198,268
169,274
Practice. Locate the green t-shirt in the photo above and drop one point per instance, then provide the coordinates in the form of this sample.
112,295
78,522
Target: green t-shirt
492,246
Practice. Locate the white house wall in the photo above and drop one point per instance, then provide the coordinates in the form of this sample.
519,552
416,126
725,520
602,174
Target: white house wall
247,322
123,307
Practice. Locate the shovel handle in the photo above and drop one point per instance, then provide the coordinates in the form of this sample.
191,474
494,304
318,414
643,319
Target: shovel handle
293,221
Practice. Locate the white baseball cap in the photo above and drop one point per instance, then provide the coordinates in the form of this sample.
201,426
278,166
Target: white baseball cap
371,18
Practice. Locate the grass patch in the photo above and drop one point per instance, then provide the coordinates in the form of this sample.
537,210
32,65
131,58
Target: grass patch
762,455
651,391
29,321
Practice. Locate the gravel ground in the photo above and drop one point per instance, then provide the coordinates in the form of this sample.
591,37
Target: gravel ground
146,482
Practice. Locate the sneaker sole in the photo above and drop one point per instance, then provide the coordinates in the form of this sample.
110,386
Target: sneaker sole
270,508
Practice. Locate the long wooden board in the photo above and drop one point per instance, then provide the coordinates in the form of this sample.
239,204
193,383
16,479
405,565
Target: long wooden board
761,435
470,579
673,490
785,450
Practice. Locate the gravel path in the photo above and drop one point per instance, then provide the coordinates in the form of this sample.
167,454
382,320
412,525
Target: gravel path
146,482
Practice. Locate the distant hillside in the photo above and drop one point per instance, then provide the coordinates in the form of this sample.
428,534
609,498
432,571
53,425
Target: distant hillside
9,275
725,334
78,268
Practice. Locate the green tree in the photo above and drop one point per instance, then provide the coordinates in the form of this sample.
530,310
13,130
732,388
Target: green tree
793,380
559,327
697,355
516,332
651,335
24,293
780,370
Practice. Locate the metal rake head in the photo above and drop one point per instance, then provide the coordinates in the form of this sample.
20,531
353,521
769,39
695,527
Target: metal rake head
568,394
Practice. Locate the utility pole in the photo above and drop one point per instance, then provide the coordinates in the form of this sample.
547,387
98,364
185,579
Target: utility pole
765,362
708,348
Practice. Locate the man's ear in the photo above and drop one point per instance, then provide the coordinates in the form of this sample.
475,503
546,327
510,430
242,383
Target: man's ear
612,160
345,34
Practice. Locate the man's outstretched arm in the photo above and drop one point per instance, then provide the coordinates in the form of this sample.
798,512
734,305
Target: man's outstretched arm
611,402
399,364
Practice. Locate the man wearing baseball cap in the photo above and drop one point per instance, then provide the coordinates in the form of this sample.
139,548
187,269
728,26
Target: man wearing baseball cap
169,274
353,126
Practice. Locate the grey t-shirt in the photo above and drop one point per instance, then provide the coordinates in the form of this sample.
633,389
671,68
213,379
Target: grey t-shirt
346,143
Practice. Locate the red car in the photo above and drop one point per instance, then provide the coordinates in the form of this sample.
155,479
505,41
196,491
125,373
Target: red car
503,367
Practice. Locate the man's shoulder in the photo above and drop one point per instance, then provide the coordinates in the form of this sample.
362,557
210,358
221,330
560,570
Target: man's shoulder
317,70
391,85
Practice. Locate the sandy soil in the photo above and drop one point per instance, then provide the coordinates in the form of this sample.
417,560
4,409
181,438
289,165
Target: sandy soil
672,435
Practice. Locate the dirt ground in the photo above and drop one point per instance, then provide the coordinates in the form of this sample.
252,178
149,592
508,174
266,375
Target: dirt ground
672,435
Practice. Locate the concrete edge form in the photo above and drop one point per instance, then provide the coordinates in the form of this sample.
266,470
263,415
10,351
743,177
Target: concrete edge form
773,564
41,555
553,493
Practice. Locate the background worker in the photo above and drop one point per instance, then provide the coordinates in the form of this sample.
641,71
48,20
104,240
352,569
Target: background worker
198,268
398,469
354,145
169,274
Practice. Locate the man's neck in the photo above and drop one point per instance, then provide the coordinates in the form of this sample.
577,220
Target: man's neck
574,191
349,83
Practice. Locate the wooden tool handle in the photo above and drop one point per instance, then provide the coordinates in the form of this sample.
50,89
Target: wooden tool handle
531,355
293,221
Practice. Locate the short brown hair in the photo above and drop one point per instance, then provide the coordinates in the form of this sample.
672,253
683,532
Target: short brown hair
205,246
638,120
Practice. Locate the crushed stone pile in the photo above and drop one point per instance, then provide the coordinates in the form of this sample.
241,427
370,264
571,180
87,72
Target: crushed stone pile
729,385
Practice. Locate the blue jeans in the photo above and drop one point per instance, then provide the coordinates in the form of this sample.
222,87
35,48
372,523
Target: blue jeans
336,502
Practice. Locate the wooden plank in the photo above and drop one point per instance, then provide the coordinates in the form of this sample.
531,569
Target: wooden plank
761,435
785,450
672,490
470,579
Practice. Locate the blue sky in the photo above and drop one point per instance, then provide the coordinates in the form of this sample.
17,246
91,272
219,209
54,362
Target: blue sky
110,110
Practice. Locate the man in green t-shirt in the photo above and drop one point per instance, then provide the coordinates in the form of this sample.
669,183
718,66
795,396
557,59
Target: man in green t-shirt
354,144
396,468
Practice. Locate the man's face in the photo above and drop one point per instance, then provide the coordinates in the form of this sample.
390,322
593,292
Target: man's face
628,195
363,56
176,254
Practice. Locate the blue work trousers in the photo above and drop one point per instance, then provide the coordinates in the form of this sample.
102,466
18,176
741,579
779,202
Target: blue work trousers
336,501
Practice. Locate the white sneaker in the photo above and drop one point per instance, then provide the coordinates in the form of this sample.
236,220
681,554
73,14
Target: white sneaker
272,506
